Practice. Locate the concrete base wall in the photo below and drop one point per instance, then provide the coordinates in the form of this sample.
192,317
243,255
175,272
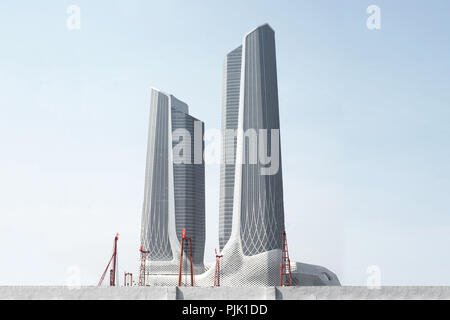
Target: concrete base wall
222,293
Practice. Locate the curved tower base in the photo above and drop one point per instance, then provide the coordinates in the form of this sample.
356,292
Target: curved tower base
261,270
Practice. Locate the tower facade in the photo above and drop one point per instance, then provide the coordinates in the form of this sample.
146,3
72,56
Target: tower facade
251,200
230,115
258,195
251,185
174,194
252,248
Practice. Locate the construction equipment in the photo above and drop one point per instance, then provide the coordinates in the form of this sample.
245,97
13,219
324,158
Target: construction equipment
285,266
143,267
112,272
217,270
128,279
189,242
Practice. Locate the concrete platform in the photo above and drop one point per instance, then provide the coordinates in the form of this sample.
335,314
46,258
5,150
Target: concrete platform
223,293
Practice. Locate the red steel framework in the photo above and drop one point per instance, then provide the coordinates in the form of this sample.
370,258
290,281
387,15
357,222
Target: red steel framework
217,270
285,266
180,273
112,272
128,279
143,268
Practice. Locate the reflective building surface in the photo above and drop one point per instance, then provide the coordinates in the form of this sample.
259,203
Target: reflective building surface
230,114
251,211
174,195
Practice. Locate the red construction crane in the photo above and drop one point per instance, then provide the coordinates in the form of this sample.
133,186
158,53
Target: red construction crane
217,271
285,266
189,242
143,268
112,273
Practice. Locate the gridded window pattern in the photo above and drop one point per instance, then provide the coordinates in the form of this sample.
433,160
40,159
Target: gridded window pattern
180,186
252,251
154,224
261,207
189,189
230,114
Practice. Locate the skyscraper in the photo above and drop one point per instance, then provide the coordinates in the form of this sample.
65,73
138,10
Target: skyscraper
251,183
258,196
251,212
250,102
251,175
174,195
230,114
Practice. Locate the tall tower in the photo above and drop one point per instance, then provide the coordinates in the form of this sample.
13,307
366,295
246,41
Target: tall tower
230,114
258,195
252,248
252,253
174,195
251,188
251,195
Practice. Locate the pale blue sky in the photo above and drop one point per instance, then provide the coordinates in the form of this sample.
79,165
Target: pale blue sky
364,128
